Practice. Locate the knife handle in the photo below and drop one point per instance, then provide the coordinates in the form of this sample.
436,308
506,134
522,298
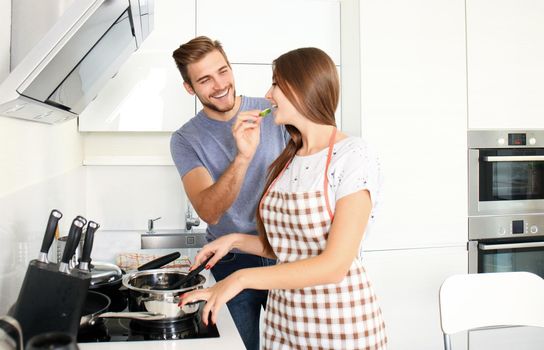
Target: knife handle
49,235
73,240
82,219
88,244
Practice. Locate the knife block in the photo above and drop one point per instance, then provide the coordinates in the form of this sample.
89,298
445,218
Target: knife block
50,301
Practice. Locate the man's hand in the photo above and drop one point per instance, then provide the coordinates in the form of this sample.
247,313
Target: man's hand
247,132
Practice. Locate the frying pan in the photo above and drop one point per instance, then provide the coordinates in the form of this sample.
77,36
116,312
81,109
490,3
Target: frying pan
95,308
95,304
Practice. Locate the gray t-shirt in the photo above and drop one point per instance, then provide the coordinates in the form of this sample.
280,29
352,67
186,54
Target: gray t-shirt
206,142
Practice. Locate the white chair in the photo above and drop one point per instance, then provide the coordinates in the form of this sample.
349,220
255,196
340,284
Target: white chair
483,300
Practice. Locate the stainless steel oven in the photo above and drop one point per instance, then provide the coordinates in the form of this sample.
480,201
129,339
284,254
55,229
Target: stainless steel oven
506,201
506,172
506,243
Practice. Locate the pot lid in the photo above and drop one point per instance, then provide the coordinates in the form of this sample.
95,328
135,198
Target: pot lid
103,272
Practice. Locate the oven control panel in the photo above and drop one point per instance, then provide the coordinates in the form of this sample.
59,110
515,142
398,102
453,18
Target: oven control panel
478,139
489,227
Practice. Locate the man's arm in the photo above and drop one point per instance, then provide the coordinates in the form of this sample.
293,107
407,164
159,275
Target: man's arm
211,200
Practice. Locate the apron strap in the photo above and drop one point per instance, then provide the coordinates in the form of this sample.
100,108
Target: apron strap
326,181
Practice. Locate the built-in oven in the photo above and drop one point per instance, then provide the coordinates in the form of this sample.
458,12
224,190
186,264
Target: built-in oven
506,243
506,172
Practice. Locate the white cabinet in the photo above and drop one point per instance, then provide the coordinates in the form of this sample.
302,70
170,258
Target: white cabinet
414,114
252,80
406,283
147,94
259,31
505,56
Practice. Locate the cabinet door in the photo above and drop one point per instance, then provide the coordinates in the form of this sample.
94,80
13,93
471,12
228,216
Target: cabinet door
414,114
259,31
406,283
505,56
147,93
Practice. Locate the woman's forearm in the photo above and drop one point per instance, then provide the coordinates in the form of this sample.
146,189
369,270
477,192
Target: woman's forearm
251,244
313,271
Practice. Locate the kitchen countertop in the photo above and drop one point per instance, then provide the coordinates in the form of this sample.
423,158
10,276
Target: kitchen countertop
229,338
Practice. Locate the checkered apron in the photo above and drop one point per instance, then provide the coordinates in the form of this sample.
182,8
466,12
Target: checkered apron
332,316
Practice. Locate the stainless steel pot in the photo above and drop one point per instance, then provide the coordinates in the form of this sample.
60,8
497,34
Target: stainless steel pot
149,292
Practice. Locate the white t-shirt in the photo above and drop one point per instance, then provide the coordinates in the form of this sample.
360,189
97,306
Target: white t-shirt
354,167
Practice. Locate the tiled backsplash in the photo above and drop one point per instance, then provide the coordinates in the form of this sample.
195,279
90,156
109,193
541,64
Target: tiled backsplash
125,197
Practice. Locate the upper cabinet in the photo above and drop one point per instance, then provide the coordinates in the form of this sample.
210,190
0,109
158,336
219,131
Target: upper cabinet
147,94
505,57
260,31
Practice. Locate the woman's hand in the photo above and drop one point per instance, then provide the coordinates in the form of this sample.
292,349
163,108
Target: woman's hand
218,248
216,296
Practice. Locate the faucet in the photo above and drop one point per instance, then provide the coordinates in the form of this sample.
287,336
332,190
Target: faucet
150,225
190,220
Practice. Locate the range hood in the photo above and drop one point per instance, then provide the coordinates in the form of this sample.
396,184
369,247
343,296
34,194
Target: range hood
64,72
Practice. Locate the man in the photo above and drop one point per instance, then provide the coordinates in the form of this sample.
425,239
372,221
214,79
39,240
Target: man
222,155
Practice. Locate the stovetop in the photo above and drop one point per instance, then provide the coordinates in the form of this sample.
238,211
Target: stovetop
122,329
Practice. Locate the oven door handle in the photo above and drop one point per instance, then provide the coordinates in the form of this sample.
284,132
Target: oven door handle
482,246
513,158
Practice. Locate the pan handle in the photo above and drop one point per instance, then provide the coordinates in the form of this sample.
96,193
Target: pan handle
146,316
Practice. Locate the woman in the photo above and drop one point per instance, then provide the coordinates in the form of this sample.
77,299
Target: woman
312,216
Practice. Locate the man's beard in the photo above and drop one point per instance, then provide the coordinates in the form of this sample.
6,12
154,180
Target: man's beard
215,108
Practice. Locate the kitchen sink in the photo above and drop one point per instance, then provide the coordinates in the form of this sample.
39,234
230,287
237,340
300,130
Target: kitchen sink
165,239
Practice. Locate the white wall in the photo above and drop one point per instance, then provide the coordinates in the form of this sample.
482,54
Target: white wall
32,152
23,217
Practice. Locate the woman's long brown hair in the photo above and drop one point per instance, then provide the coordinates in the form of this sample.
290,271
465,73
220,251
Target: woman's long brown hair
309,80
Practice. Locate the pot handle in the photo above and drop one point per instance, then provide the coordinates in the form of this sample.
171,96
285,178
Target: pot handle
159,262
9,325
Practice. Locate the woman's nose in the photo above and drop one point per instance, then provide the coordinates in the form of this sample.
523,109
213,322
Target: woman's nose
268,94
